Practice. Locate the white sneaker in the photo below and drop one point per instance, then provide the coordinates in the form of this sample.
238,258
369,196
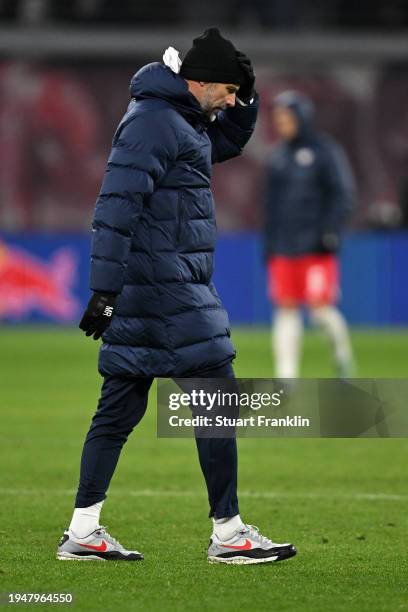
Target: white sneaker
98,546
248,546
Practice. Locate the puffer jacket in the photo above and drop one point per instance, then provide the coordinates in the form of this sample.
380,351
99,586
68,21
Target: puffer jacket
310,188
154,231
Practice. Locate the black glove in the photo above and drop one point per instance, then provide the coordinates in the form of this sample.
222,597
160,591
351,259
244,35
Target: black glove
329,243
98,314
246,91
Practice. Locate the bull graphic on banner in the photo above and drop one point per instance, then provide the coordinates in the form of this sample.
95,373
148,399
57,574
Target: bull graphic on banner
28,283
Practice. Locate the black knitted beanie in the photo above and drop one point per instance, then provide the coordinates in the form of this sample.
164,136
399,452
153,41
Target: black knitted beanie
212,59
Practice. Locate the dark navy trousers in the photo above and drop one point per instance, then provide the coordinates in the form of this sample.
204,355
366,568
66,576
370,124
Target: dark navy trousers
121,407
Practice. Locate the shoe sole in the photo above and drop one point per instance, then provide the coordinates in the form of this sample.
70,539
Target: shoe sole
252,561
66,556
69,557
241,560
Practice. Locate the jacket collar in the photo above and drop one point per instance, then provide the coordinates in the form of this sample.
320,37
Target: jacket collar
158,81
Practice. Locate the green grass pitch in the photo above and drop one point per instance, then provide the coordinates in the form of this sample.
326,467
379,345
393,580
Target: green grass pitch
344,503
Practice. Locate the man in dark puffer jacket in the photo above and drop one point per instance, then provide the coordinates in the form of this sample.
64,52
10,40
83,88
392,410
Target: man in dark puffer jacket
154,303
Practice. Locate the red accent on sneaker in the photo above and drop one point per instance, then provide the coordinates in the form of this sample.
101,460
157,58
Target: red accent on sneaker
101,548
246,546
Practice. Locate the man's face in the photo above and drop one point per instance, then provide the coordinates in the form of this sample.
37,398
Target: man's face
285,122
217,97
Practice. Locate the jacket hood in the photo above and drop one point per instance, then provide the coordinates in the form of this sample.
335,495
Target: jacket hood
157,81
302,107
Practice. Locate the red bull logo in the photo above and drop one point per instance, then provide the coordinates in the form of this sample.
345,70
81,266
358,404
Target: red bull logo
28,283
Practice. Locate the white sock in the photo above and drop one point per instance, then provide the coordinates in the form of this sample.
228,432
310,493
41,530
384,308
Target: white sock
224,528
334,325
286,337
86,520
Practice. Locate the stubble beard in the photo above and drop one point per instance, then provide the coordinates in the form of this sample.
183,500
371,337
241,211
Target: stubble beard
207,104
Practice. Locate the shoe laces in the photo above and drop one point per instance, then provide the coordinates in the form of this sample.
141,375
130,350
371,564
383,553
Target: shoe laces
253,532
103,531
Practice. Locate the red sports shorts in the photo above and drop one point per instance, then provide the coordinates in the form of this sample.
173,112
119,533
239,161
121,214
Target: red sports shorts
307,279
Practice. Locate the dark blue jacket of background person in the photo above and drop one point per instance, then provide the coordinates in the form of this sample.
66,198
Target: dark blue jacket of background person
309,188
154,230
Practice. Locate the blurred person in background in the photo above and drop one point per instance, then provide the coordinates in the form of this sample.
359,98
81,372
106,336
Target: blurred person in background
309,195
153,301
